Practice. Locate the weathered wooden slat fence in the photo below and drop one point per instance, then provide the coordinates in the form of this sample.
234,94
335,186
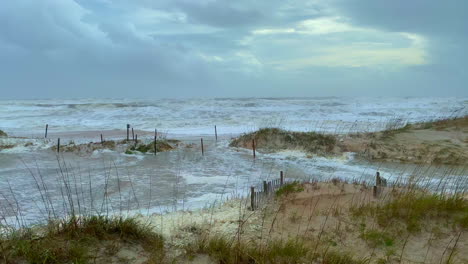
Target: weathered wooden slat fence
379,183
257,197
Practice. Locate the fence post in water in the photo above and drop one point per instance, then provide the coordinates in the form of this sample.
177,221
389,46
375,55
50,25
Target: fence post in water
102,140
253,147
128,132
202,149
265,187
155,137
378,182
281,178
136,140
252,198
216,134
46,128
133,134
58,145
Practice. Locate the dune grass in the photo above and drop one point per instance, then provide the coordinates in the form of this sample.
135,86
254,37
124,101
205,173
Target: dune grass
87,147
414,207
161,146
128,147
231,251
289,188
274,139
80,240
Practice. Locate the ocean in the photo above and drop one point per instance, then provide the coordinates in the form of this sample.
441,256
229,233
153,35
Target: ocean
198,116
36,183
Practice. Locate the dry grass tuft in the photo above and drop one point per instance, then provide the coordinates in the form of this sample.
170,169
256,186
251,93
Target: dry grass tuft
81,240
413,208
274,139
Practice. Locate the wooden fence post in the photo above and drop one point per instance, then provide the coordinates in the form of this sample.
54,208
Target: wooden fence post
133,134
281,178
46,128
252,198
128,132
265,187
102,140
253,147
155,138
202,150
58,145
136,140
216,134
374,191
378,182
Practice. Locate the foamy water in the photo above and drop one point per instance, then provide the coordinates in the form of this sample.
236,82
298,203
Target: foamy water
198,116
34,181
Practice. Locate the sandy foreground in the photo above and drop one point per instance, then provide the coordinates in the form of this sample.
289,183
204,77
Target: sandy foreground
320,216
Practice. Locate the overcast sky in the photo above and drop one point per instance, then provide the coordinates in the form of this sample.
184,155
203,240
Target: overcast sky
226,48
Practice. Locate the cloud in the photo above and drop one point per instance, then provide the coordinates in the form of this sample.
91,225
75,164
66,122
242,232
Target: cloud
326,41
316,26
173,48
421,16
325,25
271,31
46,25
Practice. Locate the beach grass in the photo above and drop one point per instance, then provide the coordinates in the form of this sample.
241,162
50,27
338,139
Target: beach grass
416,207
80,240
436,142
274,139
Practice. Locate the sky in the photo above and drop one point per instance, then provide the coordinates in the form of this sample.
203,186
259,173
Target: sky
225,48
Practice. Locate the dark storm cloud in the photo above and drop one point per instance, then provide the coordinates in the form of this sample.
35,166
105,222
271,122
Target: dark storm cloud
54,52
173,48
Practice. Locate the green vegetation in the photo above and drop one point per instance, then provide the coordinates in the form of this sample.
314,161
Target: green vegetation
86,148
228,251
376,238
394,128
3,134
161,146
273,139
412,208
9,146
108,144
444,124
128,147
392,132
342,258
81,240
289,188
